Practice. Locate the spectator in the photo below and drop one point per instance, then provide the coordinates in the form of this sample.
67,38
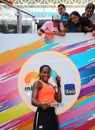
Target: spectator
61,9
53,27
82,24
65,21
89,12
68,25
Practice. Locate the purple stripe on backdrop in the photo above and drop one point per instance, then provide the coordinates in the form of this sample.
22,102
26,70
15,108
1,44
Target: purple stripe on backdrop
75,44
87,91
9,85
10,103
87,66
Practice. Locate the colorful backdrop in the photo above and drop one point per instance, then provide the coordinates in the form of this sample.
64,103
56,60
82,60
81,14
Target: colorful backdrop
15,50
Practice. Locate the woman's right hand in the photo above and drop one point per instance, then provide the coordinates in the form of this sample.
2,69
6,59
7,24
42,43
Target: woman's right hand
45,105
58,81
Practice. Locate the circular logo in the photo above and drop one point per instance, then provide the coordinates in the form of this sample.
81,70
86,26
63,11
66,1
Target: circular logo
60,65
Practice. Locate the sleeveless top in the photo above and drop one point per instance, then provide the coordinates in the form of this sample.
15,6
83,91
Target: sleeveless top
46,93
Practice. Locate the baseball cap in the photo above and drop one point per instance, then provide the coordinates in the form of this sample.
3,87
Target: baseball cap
65,17
56,18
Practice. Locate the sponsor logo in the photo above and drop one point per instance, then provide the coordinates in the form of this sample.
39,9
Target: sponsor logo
69,89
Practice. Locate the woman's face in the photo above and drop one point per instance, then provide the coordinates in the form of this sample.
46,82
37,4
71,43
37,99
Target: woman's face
74,19
45,74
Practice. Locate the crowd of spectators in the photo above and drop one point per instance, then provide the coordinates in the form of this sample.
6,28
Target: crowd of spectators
64,22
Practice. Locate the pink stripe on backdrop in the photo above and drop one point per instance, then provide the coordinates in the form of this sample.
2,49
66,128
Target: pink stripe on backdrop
10,85
78,122
11,74
82,49
76,112
12,65
72,125
9,96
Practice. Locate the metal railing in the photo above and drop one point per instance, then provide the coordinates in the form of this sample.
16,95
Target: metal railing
19,11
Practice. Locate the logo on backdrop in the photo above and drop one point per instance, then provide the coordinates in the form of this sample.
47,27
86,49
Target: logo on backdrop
60,65
69,89
32,76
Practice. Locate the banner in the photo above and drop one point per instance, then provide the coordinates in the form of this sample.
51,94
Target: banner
71,56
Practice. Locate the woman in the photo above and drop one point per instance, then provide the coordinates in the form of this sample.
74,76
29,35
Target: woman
43,97
67,23
82,24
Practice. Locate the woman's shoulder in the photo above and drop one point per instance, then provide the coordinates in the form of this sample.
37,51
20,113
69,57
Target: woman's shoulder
50,84
72,27
37,83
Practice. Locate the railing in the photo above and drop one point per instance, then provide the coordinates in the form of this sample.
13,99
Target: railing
19,11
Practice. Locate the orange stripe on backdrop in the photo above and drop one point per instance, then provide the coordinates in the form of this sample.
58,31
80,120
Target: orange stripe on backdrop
26,125
93,128
12,55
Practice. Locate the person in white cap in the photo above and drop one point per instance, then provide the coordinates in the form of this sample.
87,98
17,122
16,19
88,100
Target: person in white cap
55,26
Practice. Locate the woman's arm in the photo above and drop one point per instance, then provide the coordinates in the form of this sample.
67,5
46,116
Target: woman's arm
58,95
35,90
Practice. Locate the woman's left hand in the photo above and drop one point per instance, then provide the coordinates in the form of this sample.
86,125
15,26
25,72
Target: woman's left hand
58,81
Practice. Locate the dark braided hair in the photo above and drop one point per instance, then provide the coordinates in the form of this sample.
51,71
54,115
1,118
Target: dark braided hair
43,67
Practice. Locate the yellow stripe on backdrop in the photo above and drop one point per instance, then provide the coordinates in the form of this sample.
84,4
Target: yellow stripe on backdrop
14,113
12,55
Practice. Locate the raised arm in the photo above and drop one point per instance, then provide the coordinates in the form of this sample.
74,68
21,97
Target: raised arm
58,95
